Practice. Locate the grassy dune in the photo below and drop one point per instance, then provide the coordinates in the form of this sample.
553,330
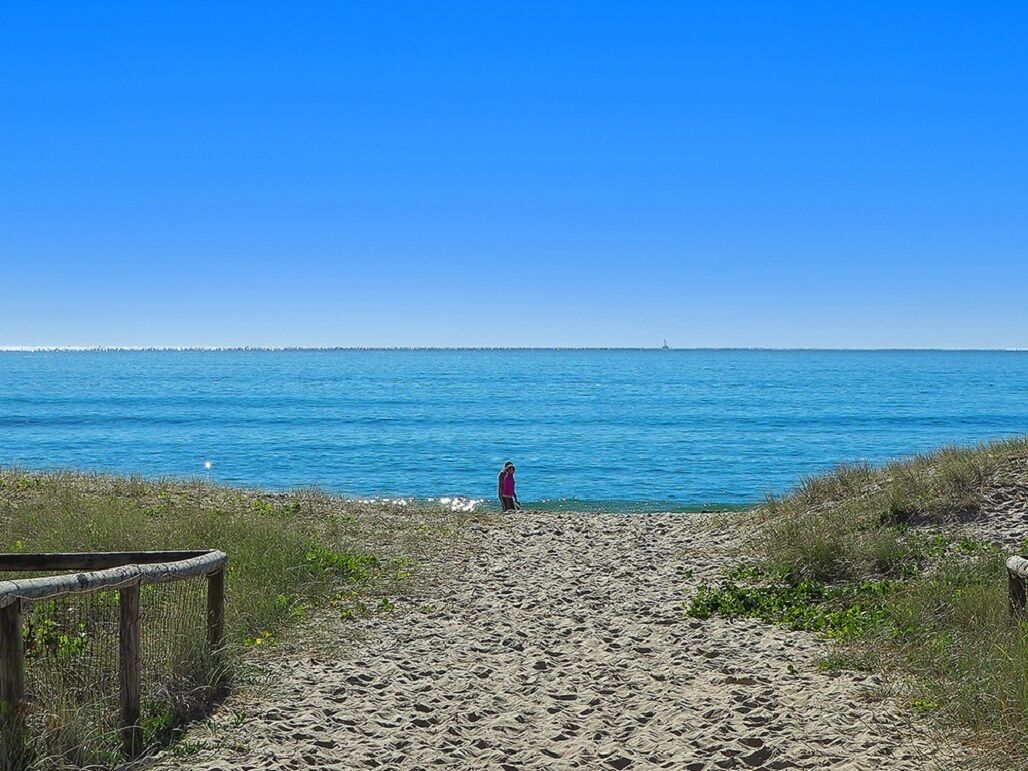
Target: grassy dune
883,560
295,561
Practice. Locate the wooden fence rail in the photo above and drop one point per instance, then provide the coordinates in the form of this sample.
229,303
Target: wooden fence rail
1017,575
124,572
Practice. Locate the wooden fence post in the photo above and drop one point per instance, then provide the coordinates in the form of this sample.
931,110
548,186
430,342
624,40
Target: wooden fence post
1017,594
1017,574
128,669
12,679
216,611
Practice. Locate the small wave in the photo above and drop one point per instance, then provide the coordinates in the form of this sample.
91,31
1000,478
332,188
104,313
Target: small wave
455,503
460,504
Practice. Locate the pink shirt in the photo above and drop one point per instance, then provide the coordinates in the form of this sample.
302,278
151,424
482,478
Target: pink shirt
507,486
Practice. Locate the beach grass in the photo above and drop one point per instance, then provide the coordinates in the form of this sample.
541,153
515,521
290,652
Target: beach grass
855,522
880,560
294,559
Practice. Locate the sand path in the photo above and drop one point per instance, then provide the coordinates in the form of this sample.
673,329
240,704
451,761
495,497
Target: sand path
563,645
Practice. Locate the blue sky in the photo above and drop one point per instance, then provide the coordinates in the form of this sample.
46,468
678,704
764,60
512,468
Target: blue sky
719,174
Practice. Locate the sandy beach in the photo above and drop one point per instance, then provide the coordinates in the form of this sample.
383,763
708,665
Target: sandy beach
560,642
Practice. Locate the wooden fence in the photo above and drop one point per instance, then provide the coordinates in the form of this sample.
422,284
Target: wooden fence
1017,575
124,572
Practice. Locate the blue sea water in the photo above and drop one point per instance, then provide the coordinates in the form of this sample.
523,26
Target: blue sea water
618,428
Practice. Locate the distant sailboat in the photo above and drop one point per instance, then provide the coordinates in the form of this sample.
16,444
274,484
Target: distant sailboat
665,345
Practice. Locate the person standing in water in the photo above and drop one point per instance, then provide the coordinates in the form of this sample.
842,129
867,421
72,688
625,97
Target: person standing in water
505,488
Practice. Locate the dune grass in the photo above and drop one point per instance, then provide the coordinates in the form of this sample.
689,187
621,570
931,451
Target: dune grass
294,560
877,559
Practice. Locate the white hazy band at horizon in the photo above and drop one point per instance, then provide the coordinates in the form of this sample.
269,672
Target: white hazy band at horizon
174,348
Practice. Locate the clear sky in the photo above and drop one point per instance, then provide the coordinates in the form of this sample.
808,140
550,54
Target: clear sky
848,174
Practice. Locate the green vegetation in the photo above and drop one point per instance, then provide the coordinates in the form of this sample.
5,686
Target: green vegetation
877,559
851,524
294,560
841,612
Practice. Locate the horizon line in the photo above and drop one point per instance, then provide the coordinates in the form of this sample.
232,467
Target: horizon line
384,348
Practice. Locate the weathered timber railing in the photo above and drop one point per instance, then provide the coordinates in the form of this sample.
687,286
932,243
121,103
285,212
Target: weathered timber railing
1017,575
124,572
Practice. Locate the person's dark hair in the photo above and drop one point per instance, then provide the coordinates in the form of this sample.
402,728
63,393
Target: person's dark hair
507,465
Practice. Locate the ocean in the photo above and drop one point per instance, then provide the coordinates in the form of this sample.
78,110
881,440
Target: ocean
591,429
